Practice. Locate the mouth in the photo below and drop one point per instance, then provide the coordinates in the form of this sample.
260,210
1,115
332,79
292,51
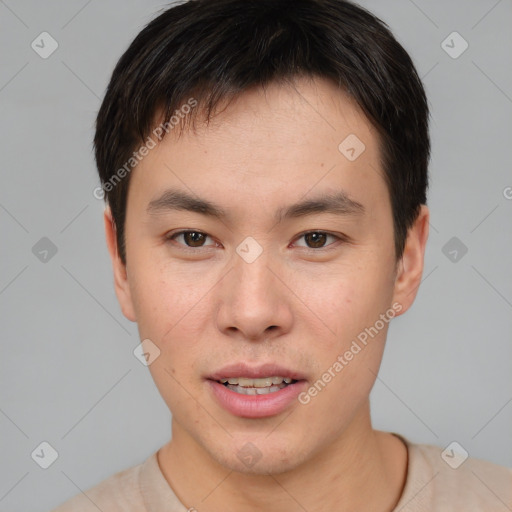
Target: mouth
263,386
256,392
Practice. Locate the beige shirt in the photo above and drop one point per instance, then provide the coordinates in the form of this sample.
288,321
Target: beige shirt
431,485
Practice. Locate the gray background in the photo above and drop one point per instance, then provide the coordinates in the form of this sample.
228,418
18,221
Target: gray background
68,374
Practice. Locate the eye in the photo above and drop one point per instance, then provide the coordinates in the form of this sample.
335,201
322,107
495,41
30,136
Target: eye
196,239
191,239
317,239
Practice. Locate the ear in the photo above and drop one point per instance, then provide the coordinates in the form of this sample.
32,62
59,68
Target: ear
410,266
121,284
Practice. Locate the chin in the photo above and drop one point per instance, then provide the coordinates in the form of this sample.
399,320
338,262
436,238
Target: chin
250,456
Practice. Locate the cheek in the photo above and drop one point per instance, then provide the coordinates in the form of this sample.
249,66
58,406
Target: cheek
346,303
178,394
169,303
346,376
172,311
351,359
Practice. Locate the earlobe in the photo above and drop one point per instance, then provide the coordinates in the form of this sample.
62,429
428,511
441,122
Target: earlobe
121,283
410,267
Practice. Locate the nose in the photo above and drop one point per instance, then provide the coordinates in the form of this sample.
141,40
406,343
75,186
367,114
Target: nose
254,304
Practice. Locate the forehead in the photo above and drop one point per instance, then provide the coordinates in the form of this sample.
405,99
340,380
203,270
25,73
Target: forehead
266,144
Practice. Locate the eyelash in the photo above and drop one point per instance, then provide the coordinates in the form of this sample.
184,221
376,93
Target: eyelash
171,237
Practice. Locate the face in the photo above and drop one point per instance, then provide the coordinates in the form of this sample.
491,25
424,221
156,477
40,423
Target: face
257,248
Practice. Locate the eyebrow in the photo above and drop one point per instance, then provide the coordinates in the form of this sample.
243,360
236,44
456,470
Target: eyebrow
338,203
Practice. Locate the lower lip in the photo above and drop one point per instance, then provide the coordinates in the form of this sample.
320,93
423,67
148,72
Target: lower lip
256,406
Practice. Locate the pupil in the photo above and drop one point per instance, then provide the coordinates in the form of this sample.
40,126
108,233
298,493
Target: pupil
194,239
315,239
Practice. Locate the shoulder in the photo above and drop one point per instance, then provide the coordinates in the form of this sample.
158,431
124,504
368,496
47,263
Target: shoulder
118,493
448,479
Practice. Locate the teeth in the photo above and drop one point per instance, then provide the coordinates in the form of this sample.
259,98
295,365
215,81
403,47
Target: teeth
256,391
266,382
263,386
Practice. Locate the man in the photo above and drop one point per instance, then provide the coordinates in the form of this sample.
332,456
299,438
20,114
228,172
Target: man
264,164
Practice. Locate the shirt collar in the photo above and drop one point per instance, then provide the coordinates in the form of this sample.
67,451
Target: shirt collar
156,492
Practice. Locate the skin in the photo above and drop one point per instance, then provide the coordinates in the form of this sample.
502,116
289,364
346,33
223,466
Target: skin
298,306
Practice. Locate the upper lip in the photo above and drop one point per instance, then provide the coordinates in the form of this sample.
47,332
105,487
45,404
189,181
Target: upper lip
255,372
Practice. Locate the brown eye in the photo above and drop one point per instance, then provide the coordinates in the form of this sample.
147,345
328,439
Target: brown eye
192,239
315,239
318,240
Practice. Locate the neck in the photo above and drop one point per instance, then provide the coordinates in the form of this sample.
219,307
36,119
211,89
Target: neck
363,469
